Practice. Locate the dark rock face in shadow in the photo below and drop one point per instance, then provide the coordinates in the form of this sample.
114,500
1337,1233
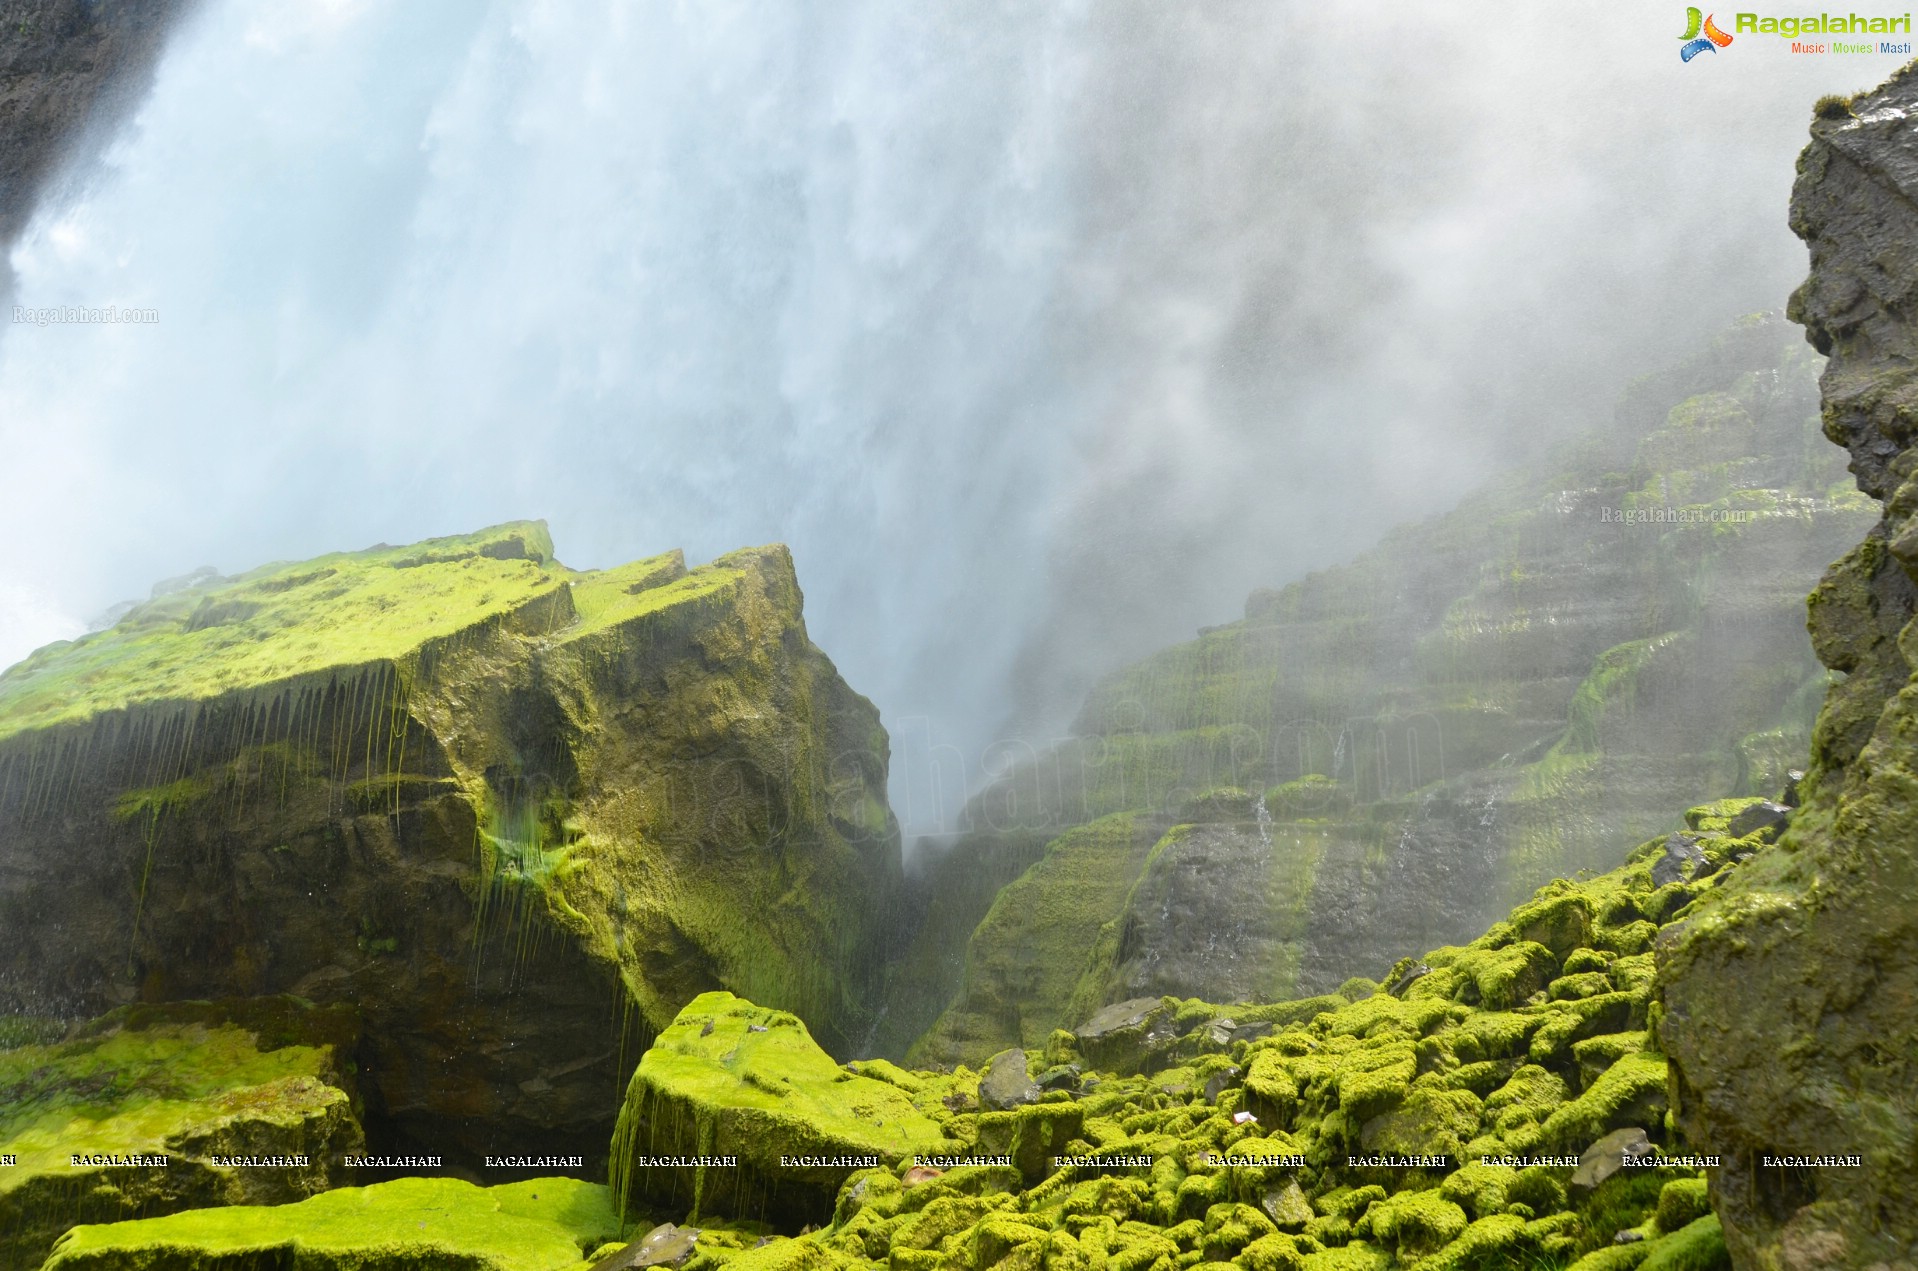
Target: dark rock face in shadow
69,71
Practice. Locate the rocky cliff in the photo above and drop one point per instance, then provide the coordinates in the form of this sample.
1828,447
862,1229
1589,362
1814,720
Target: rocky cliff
1389,754
67,68
519,814
1793,997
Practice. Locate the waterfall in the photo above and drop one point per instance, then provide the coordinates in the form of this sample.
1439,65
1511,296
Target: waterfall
1042,332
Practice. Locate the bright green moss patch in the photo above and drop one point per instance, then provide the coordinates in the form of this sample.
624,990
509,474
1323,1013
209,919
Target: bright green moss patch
732,1079
1698,1246
192,1082
546,1224
279,622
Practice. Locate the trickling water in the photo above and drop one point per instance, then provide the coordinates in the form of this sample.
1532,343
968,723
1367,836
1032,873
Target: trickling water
1265,821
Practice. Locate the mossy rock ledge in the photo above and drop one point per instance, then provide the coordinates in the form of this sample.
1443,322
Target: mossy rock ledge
519,814
245,1102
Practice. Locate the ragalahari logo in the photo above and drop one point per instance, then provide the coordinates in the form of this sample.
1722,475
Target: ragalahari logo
1710,41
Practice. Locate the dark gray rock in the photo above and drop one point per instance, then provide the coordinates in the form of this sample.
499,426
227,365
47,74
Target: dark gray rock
1005,1084
1220,1083
1683,861
1059,1077
1760,816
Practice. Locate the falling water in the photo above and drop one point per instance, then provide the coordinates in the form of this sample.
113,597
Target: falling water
1043,332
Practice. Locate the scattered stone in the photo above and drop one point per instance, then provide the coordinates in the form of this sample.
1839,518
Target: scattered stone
1760,816
1411,976
1793,780
1681,862
1607,1156
1133,1036
1628,1237
1219,1032
708,1030
1220,1083
1287,1206
751,1028
663,1246
919,1174
1060,1077
1004,1084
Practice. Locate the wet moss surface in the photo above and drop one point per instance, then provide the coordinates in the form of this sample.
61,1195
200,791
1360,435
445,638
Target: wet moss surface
242,1101
547,1224
516,813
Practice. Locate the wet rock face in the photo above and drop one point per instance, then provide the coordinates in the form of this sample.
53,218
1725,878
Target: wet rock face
1488,700
519,815
1790,1019
66,66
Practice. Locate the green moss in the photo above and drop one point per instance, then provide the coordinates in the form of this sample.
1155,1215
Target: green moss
1417,1223
280,622
1028,962
190,1082
1629,1093
1506,977
1699,1246
546,1224
731,1079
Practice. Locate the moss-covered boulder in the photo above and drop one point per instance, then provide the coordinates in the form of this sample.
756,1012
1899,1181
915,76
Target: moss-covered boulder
735,1110
1790,995
546,1224
154,1109
519,814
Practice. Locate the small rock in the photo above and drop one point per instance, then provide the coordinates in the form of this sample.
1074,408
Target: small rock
919,1174
1628,1237
755,1028
1287,1207
1760,816
708,1030
1607,1156
1005,1084
1681,862
1060,1077
663,1246
1411,976
1793,780
1220,1083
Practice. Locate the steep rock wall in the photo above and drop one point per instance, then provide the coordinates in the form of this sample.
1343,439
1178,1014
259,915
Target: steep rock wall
1387,755
1793,997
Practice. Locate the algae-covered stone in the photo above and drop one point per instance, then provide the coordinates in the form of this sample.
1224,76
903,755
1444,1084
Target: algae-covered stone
545,1224
519,814
736,1110
243,1102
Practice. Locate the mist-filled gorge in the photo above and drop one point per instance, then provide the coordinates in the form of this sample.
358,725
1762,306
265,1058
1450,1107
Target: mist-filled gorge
953,637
